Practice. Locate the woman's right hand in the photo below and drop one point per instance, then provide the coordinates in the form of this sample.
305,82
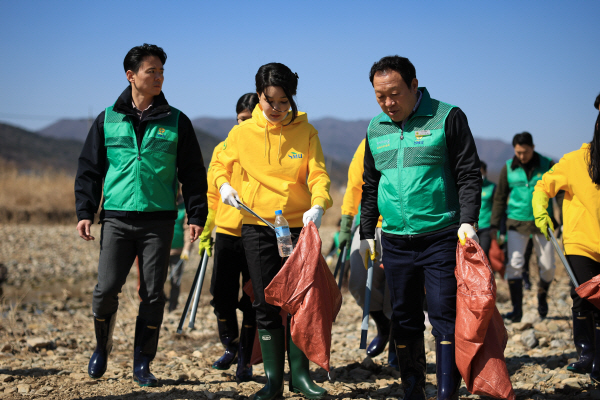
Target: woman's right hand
229,195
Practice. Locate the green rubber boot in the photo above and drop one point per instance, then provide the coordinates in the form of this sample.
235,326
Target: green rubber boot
300,380
272,346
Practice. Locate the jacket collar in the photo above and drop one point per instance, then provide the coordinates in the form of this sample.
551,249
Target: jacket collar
425,108
123,104
531,165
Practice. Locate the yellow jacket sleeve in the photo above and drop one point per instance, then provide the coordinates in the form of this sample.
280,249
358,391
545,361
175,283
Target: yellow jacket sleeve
223,164
353,194
318,180
553,181
213,195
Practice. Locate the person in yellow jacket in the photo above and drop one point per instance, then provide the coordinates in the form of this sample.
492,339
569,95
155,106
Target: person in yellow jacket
578,174
381,306
283,169
229,263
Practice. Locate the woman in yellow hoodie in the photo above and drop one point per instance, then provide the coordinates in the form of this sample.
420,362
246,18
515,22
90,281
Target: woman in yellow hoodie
578,174
229,264
283,169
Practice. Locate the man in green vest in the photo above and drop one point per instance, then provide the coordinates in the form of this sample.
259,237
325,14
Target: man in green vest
134,155
488,188
421,173
516,183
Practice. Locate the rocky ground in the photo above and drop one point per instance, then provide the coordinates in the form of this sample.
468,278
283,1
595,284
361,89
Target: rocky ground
46,336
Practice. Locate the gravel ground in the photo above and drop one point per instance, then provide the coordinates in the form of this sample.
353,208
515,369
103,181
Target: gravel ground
46,336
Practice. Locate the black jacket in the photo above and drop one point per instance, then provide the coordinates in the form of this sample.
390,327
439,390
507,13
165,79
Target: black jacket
92,166
465,164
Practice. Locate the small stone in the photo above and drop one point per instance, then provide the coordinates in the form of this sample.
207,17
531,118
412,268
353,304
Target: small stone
6,378
172,354
23,388
183,377
39,343
531,317
552,326
79,376
198,373
209,395
197,354
368,363
6,348
572,382
528,339
47,388
553,362
10,390
521,326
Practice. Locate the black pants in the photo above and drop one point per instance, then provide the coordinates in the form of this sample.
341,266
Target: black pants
584,269
260,245
230,262
485,240
411,264
120,242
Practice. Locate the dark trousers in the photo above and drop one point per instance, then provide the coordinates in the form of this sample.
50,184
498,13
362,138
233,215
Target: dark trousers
120,242
485,240
260,245
584,269
229,263
410,264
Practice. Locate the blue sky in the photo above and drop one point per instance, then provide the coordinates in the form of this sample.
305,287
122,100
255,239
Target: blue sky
510,65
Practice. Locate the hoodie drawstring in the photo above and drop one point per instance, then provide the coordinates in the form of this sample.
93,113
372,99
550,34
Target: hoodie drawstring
279,149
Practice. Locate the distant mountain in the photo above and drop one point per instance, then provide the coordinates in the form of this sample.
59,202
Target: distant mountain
31,151
68,129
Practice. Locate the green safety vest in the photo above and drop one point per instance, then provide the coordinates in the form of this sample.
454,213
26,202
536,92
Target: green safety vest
177,242
521,190
143,179
417,192
487,200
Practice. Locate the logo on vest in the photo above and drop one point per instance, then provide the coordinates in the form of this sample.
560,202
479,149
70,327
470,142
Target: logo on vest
293,155
266,337
382,143
420,134
161,132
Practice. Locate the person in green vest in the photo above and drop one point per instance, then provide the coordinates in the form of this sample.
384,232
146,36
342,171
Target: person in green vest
180,252
136,152
485,214
422,175
513,197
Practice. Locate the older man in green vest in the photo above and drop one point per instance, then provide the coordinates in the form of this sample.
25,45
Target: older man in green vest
517,181
421,172
134,155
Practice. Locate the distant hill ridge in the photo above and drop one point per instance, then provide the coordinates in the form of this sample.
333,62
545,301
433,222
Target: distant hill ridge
339,138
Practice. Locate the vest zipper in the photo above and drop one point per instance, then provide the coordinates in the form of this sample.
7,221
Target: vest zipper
400,179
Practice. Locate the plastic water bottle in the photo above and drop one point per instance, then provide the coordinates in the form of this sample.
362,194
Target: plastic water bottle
284,237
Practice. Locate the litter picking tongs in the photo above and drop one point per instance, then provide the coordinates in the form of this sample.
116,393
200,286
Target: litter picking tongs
195,294
341,263
563,258
364,328
247,209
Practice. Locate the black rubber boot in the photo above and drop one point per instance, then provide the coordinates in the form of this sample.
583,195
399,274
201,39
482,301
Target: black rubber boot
542,296
244,369
411,359
103,327
377,345
595,374
272,345
448,376
392,357
583,337
515,286
144,350
300,380
228,334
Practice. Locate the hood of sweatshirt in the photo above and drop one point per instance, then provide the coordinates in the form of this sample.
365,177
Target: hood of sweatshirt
271,128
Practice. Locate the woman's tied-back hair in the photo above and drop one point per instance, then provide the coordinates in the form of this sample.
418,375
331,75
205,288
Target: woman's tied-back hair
247,102
594,156
277,74
134,58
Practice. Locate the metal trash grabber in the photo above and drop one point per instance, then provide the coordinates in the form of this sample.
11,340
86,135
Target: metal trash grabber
189,299
367,306
246,208
198,290
340,261
175,269
562,258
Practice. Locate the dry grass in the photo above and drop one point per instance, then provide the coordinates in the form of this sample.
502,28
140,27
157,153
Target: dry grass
35,196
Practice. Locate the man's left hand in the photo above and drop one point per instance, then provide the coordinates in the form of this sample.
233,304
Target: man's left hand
467,231
195,231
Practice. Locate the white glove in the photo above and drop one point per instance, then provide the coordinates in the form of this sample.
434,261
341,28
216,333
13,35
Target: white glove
314,215
467,231
367,244
229,195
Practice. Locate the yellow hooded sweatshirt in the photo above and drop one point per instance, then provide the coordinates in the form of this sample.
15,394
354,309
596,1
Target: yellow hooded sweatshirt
283,167
581,207
353,194
228,219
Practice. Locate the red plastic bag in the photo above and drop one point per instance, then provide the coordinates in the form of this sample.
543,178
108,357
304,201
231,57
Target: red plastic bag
480,335
306,289
497,258
590,290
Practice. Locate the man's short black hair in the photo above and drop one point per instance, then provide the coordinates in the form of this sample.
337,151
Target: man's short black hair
523,138
401,65
133,59
483,165
597,102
